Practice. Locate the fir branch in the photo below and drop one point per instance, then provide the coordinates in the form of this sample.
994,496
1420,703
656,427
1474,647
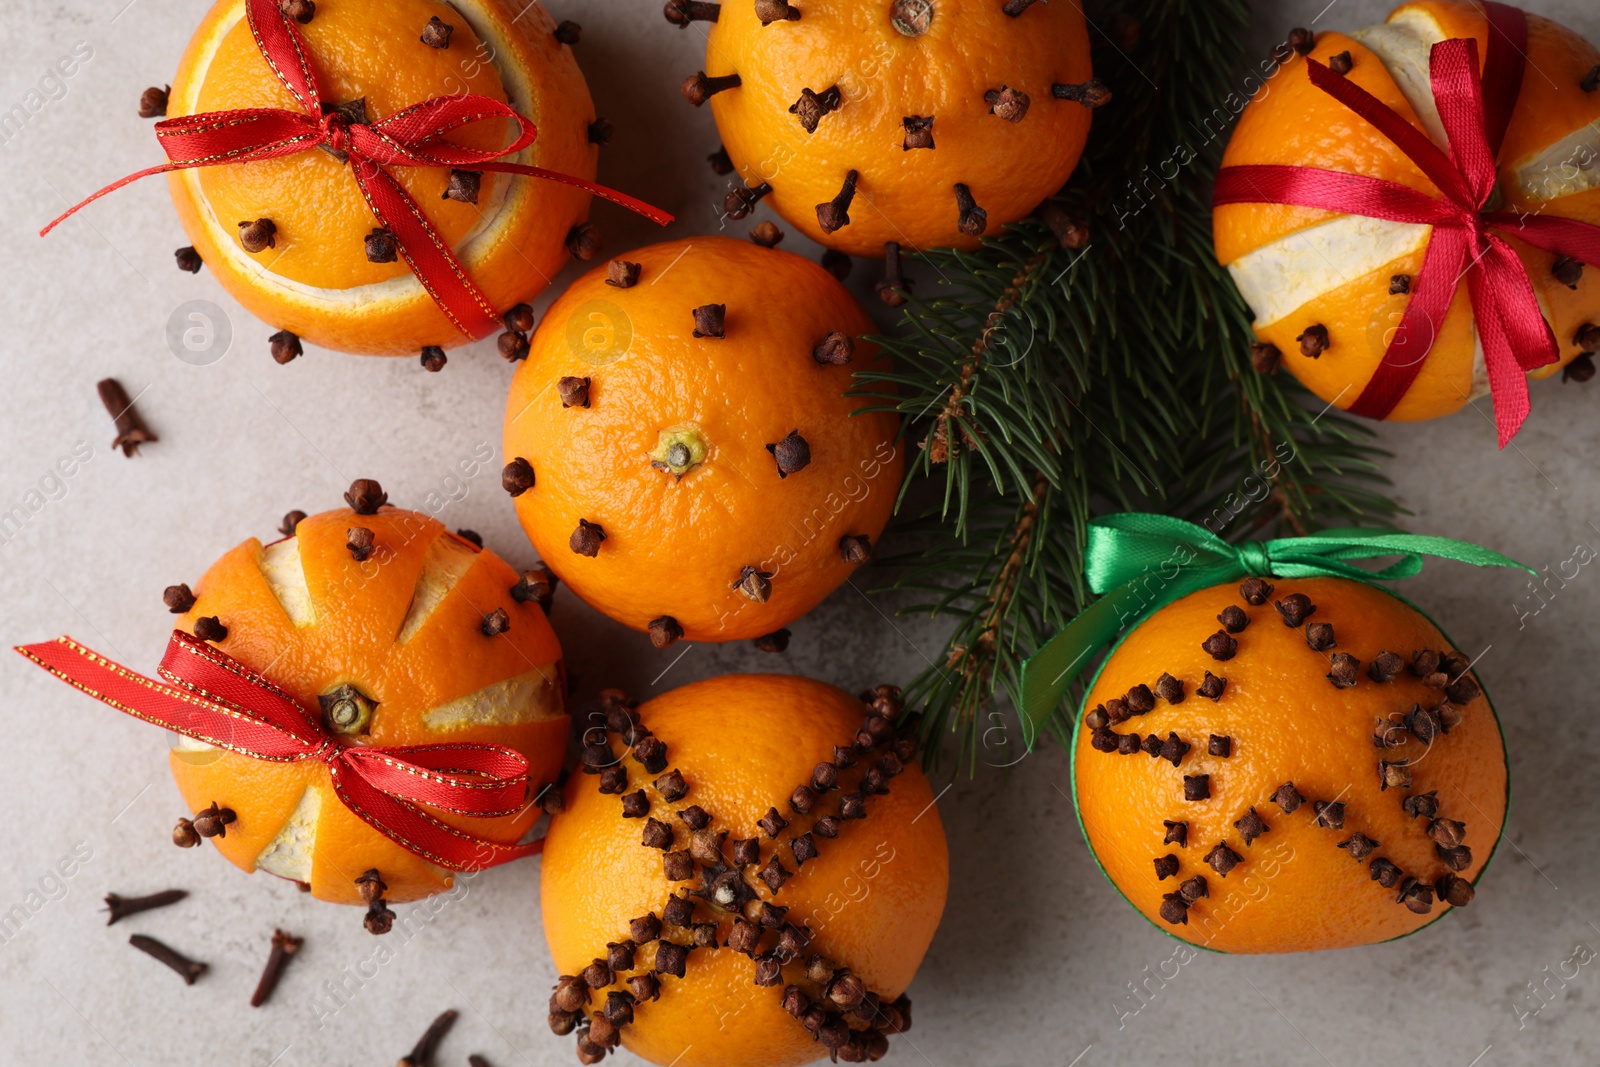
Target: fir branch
1047,384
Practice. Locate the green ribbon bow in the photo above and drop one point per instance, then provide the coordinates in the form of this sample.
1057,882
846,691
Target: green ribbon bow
1142,562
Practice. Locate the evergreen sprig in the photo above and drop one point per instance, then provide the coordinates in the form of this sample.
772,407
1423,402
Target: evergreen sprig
1051,378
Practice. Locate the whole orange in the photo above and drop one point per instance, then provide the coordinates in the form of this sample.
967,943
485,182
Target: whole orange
689,462
943,120
1300,268
1283,770
750,871
316,279
398,641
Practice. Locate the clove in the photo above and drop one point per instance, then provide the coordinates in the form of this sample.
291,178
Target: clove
835,350
1177,833
812,106
1454,890
379,918
1346,670
583,241
1360,846
918,132
754,585
360,541
258,236
1220,745
153,102
682,12
1422,805
1567,271
1166,867
433,359
1091,94
1196,787
1591,80
421,1054
1330,815
1319,635
463,187
1174,909
671,786
301,11
495,623
121,907
1393,774
1233,618
131,431
436,34
671,959
189,969
766,234
971,219
1223,859
210,628
742,199
285,347
621,274
381,246
586,539
283,947
1295,608
1169,689
188,259
1288,798
835,214
365,496
568,32
1341,63
792,455
517,477
178,598
1457,859
1251,826
1211,687
214,821
770,11
709,321
183,834
1385,667
1220,647
1173,750
664,631
697,88
1007,103
894,287
1265,357
1313,341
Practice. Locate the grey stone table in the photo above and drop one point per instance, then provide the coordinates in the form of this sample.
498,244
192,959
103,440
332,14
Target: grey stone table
1038,960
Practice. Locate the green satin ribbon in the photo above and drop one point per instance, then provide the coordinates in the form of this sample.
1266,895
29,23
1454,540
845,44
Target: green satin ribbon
1142,562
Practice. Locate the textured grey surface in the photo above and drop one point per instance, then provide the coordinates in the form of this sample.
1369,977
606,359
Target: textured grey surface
1038,958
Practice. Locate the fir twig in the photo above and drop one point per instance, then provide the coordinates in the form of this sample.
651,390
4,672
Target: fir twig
1046,385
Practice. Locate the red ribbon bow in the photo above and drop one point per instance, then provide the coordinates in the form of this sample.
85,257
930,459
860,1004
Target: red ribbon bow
1474,113
413,137
216,699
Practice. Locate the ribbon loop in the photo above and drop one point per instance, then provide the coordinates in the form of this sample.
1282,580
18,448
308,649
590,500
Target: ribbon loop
413,136
1475,112
212,697
1140,563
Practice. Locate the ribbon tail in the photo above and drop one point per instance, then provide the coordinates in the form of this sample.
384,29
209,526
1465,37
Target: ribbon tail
413,829
638,207
169,707
161,168
1432,294
425,252
1048,674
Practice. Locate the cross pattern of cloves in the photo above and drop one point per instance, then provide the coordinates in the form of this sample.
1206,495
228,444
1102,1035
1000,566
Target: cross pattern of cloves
1442,671
716,879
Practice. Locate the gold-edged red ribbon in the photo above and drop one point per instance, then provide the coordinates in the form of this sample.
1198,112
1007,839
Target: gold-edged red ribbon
413,137
212,697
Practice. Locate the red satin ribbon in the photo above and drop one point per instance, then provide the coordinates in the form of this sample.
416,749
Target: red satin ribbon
413,137
1474,113
216,699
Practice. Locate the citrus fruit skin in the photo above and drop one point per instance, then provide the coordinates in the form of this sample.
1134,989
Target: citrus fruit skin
884,75
316,281
676,546
1295,889
872,899
405,628
1299,267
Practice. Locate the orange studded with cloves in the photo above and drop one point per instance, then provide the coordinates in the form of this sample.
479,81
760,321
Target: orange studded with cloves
1290,765
749,869
716,482
922,123
396,632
